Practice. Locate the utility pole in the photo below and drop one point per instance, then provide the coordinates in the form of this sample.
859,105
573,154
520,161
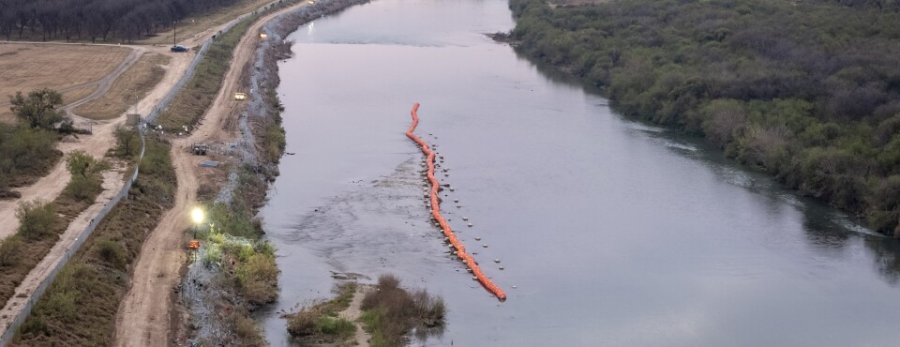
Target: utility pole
174,25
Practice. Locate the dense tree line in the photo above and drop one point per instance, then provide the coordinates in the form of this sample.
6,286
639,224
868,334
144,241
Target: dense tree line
104,20
806,90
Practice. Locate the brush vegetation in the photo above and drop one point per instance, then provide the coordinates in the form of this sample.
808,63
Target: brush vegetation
806,91
79,308
41,222
390,313
28,150
321,323
247,274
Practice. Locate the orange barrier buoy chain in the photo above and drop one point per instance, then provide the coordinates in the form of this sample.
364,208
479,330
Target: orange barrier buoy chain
436,211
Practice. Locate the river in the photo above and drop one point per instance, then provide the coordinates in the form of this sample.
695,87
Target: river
611,232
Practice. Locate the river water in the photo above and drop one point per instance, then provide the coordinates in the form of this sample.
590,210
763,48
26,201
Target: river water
611,232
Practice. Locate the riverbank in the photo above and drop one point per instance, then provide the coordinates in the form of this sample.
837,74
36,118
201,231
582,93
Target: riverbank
234,272
780,87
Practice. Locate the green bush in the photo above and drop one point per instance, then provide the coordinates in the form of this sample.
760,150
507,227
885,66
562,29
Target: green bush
335,326
112,253
26,154
37,219
39,109
321,319
86,181
35,326
258,279
128,143
390,312
10,250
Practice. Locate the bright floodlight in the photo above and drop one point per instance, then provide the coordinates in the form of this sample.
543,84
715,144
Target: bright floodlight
197,215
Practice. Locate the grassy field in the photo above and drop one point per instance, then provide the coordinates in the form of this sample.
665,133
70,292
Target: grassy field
65,68
131,86
79,308
195,25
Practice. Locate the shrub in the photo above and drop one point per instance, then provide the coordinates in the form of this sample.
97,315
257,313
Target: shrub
391,312
37,219
26,154
35,326
258,279
335,326
246,330
39,109
86,181
322,318
303,323
112,253
128,143
10,250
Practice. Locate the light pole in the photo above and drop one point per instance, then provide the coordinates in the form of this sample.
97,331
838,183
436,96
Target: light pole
197,216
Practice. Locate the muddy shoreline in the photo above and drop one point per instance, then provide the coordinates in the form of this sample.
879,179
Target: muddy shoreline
203,296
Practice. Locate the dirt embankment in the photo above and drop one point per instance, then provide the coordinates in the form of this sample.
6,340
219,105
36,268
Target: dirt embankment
203,298
144,316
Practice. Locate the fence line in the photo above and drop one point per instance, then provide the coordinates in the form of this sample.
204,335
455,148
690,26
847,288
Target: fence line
13,327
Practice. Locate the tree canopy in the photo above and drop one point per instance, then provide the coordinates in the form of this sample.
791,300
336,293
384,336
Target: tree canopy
808,91
39,109
96,19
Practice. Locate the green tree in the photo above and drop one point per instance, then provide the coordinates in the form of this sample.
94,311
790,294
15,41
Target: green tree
40,109
86,181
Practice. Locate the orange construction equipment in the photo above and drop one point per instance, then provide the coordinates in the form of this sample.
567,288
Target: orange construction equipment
436,211
194,244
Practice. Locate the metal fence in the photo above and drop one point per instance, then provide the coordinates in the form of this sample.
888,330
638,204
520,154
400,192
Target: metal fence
38,292
13,327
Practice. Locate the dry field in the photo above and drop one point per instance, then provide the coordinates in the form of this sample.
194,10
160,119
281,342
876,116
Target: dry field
191,26
70,69
131,86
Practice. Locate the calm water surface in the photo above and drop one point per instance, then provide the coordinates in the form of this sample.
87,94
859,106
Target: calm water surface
612,232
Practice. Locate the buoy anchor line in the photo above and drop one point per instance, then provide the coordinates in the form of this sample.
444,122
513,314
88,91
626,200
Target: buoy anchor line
435,205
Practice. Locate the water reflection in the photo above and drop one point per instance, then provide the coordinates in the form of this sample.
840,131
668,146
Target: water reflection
826,230
615,232
886,260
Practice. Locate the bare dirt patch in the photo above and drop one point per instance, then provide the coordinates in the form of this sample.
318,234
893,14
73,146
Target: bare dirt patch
69,69
131,86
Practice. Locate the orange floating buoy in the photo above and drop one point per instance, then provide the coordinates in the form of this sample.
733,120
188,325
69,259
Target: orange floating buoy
435,207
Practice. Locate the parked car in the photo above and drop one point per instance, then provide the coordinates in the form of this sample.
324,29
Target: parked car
179,48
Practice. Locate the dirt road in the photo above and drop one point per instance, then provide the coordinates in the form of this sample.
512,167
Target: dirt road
103,138
143,317
112,181
50,186
106,82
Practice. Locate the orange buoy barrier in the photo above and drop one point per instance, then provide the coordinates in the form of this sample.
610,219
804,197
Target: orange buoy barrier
436,211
